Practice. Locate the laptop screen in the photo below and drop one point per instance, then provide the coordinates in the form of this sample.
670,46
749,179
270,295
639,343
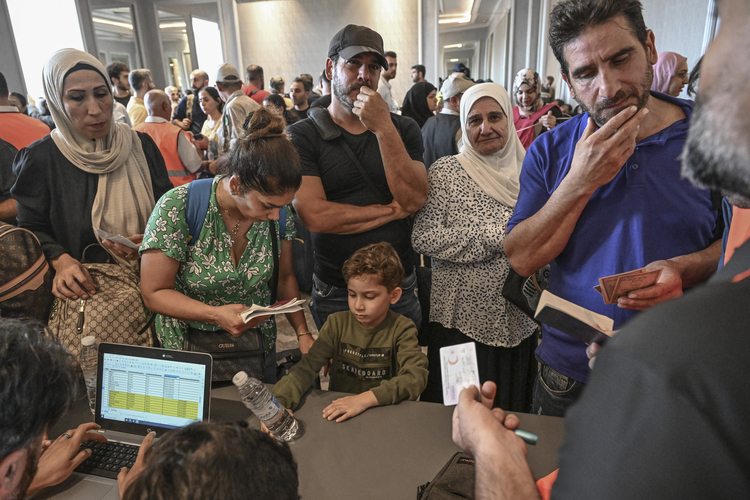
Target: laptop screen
142,388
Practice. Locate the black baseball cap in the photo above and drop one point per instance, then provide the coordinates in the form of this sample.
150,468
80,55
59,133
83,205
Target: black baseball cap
353,40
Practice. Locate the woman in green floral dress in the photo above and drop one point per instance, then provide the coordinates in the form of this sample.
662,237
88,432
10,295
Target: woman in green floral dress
207,282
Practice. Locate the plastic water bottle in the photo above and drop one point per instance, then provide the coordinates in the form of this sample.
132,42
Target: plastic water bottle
88,359
259,399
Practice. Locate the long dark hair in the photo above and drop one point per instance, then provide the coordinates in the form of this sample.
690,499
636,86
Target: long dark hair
214,95
264,158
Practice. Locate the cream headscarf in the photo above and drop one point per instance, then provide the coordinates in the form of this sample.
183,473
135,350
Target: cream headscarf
496,174
125,197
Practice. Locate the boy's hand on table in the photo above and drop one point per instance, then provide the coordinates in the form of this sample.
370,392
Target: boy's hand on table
350,406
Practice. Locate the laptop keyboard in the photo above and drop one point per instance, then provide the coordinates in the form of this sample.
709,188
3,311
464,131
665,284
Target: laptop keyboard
107,459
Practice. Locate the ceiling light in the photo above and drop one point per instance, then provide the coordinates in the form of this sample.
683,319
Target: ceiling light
112,23
172,25
453,60
453,46
455,20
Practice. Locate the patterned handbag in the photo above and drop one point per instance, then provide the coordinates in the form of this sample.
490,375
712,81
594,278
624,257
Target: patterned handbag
116,312
25,275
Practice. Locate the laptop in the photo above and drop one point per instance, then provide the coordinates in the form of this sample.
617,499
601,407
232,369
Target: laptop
139,390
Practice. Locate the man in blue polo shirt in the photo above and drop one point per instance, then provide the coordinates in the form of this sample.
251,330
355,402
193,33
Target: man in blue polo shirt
602,194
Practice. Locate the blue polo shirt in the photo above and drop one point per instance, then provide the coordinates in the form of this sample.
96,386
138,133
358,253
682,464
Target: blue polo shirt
647,212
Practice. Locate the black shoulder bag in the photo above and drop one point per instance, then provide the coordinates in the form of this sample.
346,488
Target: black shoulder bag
230,354
454,481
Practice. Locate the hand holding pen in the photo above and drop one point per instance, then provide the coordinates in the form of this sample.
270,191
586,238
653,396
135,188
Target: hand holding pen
477,425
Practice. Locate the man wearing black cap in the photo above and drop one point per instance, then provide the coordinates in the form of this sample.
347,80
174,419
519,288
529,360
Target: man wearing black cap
362,173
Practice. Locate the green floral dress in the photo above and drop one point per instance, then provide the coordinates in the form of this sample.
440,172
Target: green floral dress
206,270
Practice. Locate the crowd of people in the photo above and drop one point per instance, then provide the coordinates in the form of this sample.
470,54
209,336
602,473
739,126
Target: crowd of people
472,180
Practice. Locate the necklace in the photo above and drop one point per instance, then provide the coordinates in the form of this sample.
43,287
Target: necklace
236,226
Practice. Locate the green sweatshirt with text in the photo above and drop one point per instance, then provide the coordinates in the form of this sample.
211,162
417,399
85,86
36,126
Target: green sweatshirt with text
386,360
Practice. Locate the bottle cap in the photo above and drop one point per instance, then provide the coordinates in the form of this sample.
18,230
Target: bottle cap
88,340
239,379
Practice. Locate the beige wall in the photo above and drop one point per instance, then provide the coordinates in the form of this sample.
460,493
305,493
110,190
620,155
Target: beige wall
291,37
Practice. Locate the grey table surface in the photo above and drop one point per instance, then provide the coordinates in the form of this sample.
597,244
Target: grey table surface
386,452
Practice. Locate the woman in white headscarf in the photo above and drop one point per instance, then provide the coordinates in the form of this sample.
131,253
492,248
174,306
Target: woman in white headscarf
462,226
90,172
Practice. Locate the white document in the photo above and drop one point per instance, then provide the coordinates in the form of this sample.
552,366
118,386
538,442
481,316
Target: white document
117,238
459,370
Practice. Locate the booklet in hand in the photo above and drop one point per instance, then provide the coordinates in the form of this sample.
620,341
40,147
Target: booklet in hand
283,307
117,238
620,285
572,319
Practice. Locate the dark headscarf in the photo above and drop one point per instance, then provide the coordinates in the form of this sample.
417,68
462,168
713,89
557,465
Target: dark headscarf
415,102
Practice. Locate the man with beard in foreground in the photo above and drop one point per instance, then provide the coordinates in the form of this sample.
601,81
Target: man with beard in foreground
665,413
362,173
602,194
38,383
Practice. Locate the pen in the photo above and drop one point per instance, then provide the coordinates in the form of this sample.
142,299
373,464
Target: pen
528,437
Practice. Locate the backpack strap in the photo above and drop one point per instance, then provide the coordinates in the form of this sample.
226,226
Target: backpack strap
254,91
275,252
282,222
196,206
189,106
324,123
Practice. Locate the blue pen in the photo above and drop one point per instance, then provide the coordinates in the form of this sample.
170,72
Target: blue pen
528,437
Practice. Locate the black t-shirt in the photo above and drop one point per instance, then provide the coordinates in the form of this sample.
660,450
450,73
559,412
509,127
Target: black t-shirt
7,179
123,100
343,183
439,135
665,413
199,117
301,114
55,198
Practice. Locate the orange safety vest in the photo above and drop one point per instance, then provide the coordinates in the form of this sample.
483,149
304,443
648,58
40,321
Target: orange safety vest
165,135
21,130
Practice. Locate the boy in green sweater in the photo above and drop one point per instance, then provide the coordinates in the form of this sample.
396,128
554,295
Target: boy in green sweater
375,351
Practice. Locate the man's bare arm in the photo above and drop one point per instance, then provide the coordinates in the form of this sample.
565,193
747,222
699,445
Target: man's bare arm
535,242
407,179
502,472
322,216
599,157
680,272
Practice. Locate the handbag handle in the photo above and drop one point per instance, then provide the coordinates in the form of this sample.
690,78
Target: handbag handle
275,251
110,259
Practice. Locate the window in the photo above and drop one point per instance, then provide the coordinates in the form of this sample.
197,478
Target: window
208,46
31,27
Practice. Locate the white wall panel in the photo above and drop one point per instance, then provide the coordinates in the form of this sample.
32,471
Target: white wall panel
678,26
291,37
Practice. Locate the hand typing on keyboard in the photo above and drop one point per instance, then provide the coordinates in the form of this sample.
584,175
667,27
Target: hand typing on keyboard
125,477
63,455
